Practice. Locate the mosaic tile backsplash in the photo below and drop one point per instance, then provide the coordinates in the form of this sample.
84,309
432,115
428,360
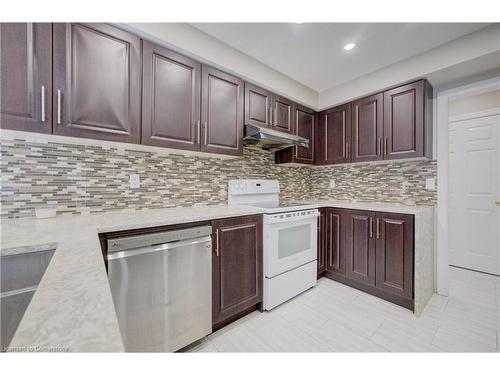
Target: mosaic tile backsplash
86,178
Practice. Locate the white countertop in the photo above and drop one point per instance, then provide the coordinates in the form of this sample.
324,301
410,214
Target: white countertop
72,308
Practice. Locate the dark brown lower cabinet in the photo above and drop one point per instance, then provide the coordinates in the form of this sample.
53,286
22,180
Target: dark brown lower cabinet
236,268
371,251
322,241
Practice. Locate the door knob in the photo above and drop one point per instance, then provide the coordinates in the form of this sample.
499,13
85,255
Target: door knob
497,202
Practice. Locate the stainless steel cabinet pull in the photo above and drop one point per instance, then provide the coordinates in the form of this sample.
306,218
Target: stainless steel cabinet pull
43,103
198,130
205,130
58,106
385,146
270,122
378,228
379,146
217,242
371,227
347,150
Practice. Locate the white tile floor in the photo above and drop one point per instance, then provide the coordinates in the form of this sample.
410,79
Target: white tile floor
335,318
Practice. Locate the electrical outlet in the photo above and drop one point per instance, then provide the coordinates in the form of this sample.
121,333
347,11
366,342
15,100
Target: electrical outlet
134,181
332,184
430,184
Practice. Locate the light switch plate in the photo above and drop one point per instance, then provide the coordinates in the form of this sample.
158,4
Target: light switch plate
134,181
430,184
332,184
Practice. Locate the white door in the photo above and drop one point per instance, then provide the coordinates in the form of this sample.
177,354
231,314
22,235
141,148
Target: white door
474,188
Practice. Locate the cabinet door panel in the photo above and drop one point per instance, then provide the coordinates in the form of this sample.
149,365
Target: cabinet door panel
360,247
257,106
322,240
171,99
305,125
96,82
236,266
394,254
335,241
222,112
404,121
26,76
367,128
283,113
334,135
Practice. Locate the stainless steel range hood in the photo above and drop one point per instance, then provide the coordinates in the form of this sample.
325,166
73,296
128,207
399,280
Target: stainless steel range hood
272,139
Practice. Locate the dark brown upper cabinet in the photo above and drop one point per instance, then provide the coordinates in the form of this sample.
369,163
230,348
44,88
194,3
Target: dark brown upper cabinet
360,247
334,135
170,99
405,125
96,82
367,128
394,254
26,76
236,266
258,106
221,112
283,114
305,126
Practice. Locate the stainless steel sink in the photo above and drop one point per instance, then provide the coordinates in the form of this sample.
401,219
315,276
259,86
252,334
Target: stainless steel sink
20,275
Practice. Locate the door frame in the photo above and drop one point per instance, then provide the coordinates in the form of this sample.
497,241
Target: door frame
442,128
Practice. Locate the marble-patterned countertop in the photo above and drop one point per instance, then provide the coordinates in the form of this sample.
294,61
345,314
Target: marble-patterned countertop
72,309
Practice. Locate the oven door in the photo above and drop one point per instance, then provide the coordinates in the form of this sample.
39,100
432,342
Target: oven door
289,242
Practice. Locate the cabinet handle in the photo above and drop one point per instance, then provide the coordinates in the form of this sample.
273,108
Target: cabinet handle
198,130
371,227
379,146
217,242
43,103
347,150
270,116
58,107
385,145
378,228
205,131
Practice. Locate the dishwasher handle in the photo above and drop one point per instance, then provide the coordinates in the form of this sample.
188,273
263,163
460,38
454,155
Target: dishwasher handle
160,247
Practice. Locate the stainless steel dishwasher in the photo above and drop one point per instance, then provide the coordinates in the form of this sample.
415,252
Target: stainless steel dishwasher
162,288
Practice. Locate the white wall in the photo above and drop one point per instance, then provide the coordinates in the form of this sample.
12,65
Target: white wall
188,40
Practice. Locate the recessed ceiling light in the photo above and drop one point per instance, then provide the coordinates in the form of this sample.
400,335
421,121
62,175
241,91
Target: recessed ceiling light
349,46
299,22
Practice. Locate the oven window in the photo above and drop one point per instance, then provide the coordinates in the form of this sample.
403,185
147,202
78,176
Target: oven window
294,240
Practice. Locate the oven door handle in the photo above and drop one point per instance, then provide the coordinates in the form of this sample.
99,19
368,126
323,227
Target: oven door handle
268,220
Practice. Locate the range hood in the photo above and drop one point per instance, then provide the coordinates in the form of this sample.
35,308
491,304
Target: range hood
271,139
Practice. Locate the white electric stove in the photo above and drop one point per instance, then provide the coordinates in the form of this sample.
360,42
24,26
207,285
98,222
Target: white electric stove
290,239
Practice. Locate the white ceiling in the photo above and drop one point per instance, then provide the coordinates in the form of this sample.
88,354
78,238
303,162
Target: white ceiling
313,54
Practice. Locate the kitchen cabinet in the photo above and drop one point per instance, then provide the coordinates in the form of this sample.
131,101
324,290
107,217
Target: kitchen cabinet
258,106
26,76
406,131
305,126
335,246
283,114
170,99
367,128
221,112
334,135
394,254
360,247
237,274
322,226
96,82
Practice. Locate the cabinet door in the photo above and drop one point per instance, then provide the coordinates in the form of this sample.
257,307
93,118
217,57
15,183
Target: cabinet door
257,106
221,112
305,125
97,75
170,99
334,135
394,254
322,240
404,121
367,128
236,266
335,241
26,76
360,247
283,114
